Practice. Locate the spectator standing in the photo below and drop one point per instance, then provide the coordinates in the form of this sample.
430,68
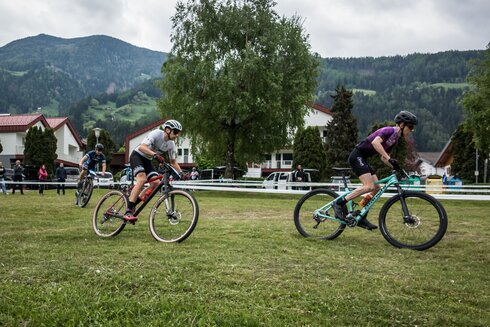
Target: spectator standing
194,174
299,176
18,175
43,177
61,177
2,178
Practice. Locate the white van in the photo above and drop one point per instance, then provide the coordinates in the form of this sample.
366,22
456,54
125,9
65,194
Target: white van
278,180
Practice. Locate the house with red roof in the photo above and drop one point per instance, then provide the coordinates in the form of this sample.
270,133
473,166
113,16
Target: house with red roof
14,128
281,160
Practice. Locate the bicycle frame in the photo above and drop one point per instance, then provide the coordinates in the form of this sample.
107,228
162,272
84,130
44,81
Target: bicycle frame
387,181
164,182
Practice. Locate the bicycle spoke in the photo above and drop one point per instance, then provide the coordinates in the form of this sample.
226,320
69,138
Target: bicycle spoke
108,219
177,221
422,229
309,220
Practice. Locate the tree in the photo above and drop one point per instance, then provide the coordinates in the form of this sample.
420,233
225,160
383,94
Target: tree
308,150
237,78
341,131
476,102
105,139
40,148
464,151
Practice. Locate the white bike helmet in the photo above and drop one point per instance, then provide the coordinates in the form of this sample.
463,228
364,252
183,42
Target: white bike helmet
172,124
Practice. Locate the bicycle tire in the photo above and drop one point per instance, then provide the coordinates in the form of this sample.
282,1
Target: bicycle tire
107,219
304,218
180,225
86,192
427,228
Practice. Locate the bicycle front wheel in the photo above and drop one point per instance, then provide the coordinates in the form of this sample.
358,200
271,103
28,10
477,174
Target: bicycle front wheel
173,219
307,221
108,214
86,192
422,229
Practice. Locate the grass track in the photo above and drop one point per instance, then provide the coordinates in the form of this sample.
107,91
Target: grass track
244,265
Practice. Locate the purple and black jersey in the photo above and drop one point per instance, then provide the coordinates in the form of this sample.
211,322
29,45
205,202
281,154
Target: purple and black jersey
387,134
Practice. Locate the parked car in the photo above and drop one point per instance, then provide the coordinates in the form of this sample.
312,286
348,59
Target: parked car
107,180
72,176
278,180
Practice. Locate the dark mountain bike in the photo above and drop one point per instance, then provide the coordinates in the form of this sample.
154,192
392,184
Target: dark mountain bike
173,216
409,219
83,195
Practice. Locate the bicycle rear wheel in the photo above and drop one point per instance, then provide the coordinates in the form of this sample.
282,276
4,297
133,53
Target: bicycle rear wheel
309,224
175,222
108,214
423,229
86,192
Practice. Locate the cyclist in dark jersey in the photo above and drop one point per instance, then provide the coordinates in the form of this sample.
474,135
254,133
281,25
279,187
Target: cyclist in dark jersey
90,160
381,142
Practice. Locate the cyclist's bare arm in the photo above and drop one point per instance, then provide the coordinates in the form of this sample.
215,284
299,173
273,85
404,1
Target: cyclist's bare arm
379,148
175,164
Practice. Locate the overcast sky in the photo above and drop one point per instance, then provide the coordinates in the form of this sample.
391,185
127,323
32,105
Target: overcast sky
336,28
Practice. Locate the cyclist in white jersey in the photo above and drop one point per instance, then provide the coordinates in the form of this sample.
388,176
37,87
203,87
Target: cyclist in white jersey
155,143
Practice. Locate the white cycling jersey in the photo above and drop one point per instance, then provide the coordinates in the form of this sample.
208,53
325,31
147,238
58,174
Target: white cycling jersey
156,142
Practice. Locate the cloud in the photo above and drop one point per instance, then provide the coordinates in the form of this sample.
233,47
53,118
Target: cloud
351,28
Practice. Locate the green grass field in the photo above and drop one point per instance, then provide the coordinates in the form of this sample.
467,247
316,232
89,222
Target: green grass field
244,265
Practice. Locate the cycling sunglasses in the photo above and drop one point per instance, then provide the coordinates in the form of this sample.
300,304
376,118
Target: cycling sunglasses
176,131
411,127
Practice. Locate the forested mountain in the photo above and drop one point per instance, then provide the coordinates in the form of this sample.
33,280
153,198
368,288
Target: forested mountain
427,84
97,79
48,71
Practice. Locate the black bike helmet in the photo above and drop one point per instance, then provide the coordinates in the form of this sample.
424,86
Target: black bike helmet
406,117
99,147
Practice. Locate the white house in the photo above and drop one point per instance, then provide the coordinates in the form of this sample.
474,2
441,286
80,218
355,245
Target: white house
68,144
282,160
14,128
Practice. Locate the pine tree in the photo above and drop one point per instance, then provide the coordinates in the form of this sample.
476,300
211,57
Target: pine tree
40,148
308,151
464,151
341,131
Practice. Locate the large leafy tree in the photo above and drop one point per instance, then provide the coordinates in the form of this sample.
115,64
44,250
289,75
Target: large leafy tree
308,150
237,78
40,148
341,131
476,102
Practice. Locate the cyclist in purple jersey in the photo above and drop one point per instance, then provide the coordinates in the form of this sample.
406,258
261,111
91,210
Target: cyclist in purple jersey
381,142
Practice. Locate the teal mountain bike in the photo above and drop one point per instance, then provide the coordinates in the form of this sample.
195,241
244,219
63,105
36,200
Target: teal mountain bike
410,219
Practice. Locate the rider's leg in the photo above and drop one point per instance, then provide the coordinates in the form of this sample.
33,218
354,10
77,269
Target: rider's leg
368,186
140,180
83,174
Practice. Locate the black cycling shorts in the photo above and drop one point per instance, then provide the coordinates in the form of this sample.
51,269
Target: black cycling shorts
359,164
140,164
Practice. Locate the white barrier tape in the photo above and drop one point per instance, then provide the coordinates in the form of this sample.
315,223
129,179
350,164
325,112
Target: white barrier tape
255,187
235,187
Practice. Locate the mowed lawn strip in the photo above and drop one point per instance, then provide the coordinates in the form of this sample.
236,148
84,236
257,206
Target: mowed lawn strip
244,265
